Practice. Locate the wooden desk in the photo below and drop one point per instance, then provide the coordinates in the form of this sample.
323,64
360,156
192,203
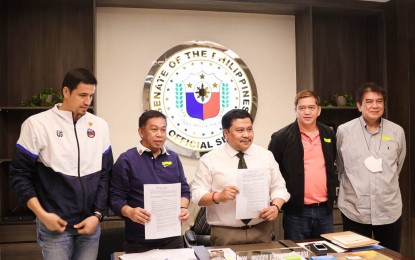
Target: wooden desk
385,251
273,245
394,254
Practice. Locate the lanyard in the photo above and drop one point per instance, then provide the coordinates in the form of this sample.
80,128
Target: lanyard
367,143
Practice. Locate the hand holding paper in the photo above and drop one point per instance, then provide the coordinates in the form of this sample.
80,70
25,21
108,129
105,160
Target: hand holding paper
253,193
139,215
163,201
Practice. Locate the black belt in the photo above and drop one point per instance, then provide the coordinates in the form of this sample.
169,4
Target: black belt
316,205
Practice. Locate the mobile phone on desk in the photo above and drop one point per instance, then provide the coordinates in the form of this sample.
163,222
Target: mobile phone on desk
320,247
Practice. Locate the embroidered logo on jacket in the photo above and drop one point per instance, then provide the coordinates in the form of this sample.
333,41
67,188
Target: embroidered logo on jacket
90,133
59,133
166,163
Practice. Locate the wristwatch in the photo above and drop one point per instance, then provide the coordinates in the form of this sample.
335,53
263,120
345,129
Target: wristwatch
278,208
98,215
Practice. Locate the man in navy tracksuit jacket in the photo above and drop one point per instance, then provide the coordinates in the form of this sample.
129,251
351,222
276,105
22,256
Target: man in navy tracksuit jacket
61,171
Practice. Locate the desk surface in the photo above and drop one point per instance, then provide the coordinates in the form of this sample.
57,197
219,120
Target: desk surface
273,245
263,246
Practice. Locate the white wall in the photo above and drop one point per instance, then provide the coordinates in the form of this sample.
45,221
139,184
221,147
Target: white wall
128,40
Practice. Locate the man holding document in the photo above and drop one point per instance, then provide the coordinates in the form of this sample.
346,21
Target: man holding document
149,190
241,185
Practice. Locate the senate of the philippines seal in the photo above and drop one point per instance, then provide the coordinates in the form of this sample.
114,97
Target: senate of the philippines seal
194,84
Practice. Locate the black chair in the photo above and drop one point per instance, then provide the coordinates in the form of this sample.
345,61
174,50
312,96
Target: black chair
199,233
111,240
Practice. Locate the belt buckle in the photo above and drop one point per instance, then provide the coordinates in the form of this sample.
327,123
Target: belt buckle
246,227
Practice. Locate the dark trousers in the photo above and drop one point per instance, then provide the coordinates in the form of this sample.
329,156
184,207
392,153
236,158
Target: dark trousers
311,223
388,235
135,247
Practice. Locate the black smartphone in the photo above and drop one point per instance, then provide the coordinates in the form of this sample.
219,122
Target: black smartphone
320,247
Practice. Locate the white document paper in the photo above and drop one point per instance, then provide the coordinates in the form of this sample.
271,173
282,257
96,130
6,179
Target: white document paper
156,254
163,202
253,192
351,239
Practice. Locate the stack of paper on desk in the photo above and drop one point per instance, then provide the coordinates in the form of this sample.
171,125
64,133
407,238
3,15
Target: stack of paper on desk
349,239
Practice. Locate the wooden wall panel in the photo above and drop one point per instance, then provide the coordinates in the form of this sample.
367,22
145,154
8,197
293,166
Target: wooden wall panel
340,53
376,49
20,251
44,41
411,157
3,24
401,94
245,6
304,49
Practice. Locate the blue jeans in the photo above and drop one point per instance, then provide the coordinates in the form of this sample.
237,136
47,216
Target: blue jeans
313,222
67,245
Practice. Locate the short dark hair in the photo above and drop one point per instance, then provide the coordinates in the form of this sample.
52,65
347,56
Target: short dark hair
148,115
369,86
232,115
304,94
76,76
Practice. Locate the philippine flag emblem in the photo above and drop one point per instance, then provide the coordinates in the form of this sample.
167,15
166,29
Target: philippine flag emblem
90,133
202,95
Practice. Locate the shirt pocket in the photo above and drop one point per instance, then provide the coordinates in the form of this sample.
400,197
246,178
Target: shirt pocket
389,149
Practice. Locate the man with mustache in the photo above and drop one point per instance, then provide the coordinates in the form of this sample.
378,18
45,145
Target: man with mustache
305,151
371,153
214,185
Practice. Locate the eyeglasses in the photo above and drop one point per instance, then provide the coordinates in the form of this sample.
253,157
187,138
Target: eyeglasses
304,108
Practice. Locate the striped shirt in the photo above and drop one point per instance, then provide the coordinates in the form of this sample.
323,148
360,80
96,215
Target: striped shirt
370,197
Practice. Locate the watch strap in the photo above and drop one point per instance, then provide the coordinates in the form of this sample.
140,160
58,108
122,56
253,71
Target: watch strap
98,215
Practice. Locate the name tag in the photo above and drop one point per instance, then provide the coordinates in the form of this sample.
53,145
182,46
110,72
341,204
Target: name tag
386,138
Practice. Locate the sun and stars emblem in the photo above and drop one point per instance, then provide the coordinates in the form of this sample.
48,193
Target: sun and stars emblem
203,90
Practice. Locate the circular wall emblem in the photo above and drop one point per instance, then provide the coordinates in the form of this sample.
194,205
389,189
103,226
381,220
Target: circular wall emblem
194,84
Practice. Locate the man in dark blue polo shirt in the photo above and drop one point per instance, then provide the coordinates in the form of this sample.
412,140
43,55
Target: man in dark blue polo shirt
148,163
